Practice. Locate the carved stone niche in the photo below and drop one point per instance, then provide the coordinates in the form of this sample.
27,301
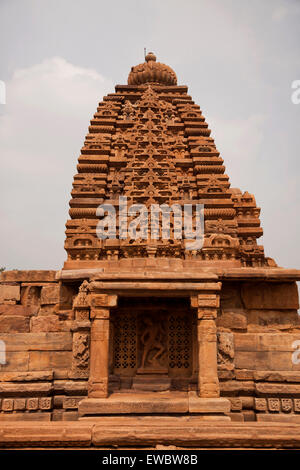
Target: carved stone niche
153,339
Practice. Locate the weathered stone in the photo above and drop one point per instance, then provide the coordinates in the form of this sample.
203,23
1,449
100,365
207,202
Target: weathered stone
270,320
26,376
30,297
249,415
276,376
43,360
263,295
236,404
274,404
71,403
46,310
137,404
244,374
245,342
15,361
70,416
13,324
23,417
236,386
226,374
286,405
297,405
12,389
234,319
28,276
9,292
225,351
260,404
45,403
277,389
49,323
247,403
70,387
17,310
19,404
231,296
252,359
278,418
37,341
7,404
50,294
32,404
207,405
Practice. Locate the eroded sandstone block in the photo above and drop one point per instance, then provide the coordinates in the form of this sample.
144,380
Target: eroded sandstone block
234,319
18,310
270,295
14,324
9,293
28,276
50,294
30,297
49,323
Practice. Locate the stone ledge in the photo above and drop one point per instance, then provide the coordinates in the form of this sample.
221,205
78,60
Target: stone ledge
189,271
139,403
28,276
134,434
21,434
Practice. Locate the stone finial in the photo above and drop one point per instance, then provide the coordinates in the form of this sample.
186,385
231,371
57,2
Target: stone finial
152,72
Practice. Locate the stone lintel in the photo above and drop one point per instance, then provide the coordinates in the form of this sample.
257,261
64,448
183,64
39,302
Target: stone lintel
260,274
100,274
191,272
102,300
161,287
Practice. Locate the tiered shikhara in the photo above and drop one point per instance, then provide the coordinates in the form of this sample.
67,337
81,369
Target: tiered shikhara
150,142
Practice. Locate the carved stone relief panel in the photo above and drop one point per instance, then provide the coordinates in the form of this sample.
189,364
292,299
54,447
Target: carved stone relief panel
153,338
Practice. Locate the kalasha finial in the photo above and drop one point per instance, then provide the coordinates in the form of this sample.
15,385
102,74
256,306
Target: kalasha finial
150,56
152,72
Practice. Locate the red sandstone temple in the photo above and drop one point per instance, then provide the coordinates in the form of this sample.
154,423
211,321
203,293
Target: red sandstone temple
142,342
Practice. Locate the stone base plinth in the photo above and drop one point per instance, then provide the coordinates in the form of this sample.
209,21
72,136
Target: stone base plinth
154,383
158,403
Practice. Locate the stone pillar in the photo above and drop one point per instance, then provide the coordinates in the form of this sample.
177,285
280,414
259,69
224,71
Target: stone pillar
99,351
208,382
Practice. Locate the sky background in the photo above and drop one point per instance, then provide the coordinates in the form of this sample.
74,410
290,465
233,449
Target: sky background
59,57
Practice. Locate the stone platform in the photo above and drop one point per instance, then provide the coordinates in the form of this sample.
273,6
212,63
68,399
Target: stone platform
150,433
156,403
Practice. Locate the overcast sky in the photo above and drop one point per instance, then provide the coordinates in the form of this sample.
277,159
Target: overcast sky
59,57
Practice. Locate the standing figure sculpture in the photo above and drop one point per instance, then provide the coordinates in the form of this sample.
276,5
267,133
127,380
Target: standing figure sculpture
152,339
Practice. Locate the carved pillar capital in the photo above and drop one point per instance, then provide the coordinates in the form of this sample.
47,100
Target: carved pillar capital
103,300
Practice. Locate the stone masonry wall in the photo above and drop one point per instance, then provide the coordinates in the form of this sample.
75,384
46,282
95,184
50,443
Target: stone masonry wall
36,348
46,340
258,326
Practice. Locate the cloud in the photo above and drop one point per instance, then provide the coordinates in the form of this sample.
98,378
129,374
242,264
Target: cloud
42,129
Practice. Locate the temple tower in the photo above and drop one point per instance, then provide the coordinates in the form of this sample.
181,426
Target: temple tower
149,142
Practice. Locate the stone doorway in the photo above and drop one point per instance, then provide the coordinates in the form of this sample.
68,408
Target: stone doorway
153,343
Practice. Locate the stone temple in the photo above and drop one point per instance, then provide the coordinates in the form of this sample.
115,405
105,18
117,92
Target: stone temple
143,342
